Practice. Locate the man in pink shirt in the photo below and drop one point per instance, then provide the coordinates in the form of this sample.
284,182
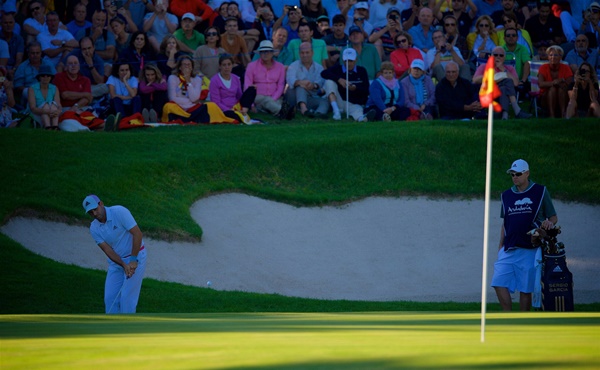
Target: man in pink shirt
268,76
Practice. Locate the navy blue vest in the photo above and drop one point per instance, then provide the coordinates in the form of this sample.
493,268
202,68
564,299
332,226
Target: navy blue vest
520,213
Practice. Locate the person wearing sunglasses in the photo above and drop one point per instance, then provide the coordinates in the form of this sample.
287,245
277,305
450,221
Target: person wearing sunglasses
583,96
591,23
508,7
463,11
519,54
453,35
484,39
206,57
525,206
554,79
523,38
36,22
404,54
507,80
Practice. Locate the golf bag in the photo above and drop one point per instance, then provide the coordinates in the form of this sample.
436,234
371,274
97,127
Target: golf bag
557,280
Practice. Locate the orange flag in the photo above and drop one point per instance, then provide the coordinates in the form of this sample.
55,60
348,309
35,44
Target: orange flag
489,90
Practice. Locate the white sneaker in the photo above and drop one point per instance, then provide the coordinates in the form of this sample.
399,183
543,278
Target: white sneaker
246,119
337,116
386,117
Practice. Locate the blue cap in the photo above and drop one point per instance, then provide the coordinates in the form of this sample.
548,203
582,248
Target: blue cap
90,202
354,29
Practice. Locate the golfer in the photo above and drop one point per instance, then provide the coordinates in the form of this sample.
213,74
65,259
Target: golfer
118,235
525,206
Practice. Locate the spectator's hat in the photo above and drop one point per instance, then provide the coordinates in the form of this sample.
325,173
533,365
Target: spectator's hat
361,5
518,166
595,6
349,54
90,202
393,9
265,45
45,70
418,63
354,29
188,16
323,18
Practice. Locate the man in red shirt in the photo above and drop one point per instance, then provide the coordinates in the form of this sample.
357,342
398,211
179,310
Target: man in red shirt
75,90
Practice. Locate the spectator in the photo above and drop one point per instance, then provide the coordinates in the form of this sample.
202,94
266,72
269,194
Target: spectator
419,92
386,97
112,11
184,90
56,42
123,90
590,25
16,44
153,92
554,79
422,33
544,28
486,7
583,96
336,40
520,56
323,26
463,11
368,58
139,52
306,84
7,101
222,16
159,24
484,39
383,37
226,92
507,80
294,15
264,22
443,52
280,52
138,9
347,94
456,97
206,57
75,90
252,11
44,100
36,22
188,38
570,27
250,35
409,17
204,14
404,54
378,12
581,53
235,45
122,38
104,41
454,38
508,8
312,9
306,35
523,38
268,76
91,66
79,22
26,72
361,18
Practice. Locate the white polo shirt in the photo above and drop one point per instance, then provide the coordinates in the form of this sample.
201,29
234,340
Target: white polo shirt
115,231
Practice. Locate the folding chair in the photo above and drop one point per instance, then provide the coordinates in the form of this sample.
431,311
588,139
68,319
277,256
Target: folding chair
534,93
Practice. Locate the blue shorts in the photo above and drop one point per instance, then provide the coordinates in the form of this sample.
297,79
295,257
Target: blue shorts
515,270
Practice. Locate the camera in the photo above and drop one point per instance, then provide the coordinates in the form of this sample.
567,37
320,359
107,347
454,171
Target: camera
291,7
443,49
417,2
394,17
358,19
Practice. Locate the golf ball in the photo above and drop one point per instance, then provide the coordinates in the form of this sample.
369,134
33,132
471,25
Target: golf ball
209,283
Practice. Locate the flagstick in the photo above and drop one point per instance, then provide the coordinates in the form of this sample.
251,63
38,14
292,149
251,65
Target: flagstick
347,88
488,172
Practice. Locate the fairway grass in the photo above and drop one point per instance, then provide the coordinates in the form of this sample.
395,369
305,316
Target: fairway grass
374,340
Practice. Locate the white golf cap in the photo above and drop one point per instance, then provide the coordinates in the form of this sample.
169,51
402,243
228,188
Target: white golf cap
188,16
362,5
518,166
90,202
349,54
418,63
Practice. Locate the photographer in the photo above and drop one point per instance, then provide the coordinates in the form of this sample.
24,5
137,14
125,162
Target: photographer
361,18
444,52
583,95
293,15
383,37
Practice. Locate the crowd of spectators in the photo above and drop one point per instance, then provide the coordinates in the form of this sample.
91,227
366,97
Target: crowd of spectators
210,60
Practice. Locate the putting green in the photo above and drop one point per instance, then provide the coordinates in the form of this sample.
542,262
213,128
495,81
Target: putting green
301,341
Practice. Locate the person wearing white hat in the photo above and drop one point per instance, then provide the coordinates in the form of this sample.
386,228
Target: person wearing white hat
268,76
419,90
189,39
347,86
116,232
591,23
525,206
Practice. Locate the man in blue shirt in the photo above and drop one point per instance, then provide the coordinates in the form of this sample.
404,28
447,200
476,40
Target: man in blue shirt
422,33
